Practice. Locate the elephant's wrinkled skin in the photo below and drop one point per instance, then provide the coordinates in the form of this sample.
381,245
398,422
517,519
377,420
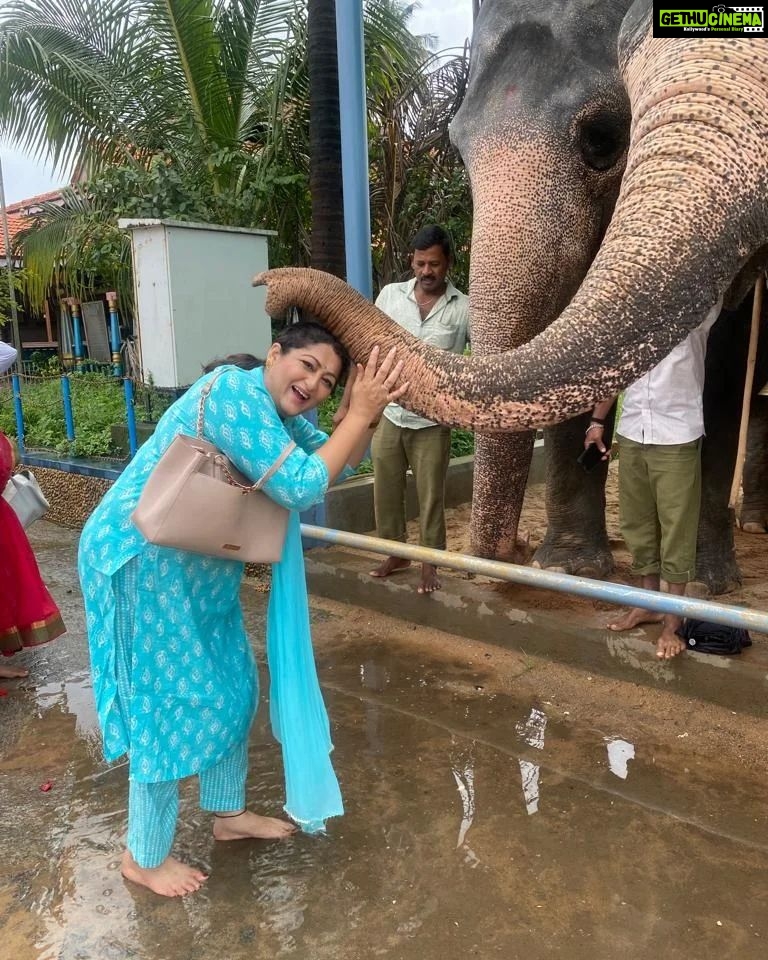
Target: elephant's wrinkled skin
692,213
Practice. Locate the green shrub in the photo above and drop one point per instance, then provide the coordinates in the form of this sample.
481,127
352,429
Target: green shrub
98,403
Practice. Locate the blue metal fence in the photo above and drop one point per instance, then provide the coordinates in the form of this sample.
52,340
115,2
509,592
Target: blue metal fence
51,413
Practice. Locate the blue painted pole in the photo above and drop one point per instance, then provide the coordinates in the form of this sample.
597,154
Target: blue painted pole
114,333
130,416
66,399
18,410
617,593
354,144
77,333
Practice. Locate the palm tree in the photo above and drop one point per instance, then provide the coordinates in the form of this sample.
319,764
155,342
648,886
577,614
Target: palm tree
99,82
199,109
156,89
416,175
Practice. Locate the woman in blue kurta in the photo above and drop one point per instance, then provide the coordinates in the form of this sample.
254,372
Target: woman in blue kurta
173,672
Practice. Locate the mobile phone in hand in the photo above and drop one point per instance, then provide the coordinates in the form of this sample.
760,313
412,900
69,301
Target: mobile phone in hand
591,456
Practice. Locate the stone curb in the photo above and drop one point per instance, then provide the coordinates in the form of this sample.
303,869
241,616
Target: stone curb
477,611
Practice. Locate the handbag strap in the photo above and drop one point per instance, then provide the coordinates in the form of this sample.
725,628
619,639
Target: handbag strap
201,405
275,466
222,460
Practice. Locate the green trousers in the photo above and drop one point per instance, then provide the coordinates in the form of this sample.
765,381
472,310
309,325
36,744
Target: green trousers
427,452
659,500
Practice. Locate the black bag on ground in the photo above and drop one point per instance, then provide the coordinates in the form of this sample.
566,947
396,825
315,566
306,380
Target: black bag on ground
704,637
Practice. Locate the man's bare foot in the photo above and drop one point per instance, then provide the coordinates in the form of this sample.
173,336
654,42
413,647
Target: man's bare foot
429,581
633,618
669,644
13,673
171,879
249,826
390,565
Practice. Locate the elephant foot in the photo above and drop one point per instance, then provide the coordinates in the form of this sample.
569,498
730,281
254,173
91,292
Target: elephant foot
715,578
754,526
597,564
520,554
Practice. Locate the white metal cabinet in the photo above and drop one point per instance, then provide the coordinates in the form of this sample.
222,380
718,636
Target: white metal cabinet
194,298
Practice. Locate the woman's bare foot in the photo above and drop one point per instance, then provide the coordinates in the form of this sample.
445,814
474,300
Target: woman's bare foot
390,565
171,879
669,644
429,581
13,673
633,618
249,826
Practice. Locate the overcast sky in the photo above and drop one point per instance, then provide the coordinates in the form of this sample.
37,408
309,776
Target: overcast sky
450,20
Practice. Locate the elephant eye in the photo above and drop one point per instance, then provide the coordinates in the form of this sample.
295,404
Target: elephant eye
602,141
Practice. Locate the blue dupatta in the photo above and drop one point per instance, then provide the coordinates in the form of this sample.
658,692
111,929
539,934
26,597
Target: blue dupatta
299,718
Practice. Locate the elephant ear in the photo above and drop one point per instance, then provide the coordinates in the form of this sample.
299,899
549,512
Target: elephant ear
637,23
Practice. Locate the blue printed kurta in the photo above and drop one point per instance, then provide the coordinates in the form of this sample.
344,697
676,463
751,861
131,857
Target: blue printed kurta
173,672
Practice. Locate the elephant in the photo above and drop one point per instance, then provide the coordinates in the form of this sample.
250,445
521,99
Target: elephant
544,130
648,162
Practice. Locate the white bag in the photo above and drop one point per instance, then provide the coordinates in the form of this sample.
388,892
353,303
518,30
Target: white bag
23,494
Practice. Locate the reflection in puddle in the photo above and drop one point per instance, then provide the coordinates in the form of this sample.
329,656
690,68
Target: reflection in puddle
529,773
464,774
374,676
76,697
286,901
532,731
465,782
625,650
620,752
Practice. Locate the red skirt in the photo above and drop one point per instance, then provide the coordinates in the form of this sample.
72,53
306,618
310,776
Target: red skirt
28,613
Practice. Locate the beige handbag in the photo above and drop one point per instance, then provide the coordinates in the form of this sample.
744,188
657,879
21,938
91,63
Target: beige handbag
195,499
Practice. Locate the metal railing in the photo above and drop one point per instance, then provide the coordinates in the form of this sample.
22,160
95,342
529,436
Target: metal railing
617,593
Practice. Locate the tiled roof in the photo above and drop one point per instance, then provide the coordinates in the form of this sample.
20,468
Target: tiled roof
32,203
21,212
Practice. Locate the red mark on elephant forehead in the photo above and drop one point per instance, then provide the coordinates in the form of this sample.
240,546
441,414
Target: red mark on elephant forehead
511,91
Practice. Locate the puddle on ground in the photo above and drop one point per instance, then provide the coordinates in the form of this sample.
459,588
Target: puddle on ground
477,825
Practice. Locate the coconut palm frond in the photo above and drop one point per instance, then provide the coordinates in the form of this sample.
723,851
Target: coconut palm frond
57,249
254,35
63,71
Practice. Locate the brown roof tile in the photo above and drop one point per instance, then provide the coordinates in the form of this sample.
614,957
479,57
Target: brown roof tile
21,213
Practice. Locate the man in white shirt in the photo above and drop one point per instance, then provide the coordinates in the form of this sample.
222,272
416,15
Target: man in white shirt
8,356
659,436
432,309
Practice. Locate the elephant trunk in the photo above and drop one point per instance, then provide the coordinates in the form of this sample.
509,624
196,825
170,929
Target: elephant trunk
445,387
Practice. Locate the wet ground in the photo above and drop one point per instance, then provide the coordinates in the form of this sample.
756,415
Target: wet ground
497,805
